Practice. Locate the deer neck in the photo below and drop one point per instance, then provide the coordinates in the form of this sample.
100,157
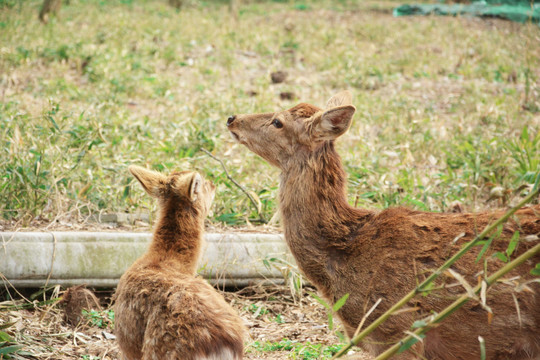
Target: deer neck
178,236
317,219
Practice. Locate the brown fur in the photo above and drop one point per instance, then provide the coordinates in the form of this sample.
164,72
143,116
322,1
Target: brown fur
384,255
162,310
76,299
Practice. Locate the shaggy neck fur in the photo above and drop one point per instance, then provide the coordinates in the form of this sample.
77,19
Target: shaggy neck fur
319,223
178,234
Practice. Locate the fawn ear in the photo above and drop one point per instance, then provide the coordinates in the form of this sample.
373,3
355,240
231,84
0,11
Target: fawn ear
151,181
187,184
340,99
334,122
196,186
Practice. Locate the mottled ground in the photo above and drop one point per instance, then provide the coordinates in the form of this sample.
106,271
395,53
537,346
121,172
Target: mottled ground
271,315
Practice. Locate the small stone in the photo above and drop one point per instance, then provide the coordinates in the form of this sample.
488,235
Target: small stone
108,335
278,77
287,95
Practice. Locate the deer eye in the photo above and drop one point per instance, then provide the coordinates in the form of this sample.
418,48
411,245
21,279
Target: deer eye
278,124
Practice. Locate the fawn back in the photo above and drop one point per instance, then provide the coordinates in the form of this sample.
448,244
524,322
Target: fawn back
162,310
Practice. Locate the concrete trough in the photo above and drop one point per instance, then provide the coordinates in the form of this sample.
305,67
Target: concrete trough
33,259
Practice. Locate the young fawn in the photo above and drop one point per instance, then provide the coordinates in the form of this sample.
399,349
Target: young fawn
383,255
162,310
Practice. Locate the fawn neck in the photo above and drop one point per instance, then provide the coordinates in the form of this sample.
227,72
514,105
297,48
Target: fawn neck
318,221
178,235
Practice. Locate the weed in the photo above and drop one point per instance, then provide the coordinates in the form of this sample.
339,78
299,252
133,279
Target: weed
101,319
304,351
8,347
257,310
332,310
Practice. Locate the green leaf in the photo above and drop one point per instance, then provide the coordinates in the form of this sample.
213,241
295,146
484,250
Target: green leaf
341,337
499,232
484,248
339,304
536,270
319,300
537,182
501,256
426,289
51,119
5,337
418,204
407,344
10,349
330,321
419,324
513,243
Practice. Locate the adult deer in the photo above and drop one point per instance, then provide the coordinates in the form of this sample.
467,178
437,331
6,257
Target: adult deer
383,255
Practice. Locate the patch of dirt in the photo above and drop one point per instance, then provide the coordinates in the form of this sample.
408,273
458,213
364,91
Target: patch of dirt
270,313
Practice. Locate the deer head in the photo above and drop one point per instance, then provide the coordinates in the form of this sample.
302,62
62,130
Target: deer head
284,135
184,185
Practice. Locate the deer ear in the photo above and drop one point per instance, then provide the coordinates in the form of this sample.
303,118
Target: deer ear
151,181
196,186
334,122
340,99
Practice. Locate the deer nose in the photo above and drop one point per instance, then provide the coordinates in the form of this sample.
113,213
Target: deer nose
230,120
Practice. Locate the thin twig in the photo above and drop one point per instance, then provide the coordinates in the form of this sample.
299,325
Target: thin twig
366,316
261,217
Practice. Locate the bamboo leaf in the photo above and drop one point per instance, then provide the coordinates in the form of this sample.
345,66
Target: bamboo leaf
407,344
4,337
339,304
319,300
419,324
537,182
486,246
10,349
501,256
513,243
536,270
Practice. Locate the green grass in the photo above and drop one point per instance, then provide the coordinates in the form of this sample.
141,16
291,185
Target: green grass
447,108
303,351
101,319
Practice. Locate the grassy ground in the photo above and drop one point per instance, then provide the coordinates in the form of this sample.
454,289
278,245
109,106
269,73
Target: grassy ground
448,108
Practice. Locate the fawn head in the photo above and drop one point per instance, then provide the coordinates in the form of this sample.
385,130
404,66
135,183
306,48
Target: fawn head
281,136
179,185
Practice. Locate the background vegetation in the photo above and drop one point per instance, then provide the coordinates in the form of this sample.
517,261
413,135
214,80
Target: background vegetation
448,108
